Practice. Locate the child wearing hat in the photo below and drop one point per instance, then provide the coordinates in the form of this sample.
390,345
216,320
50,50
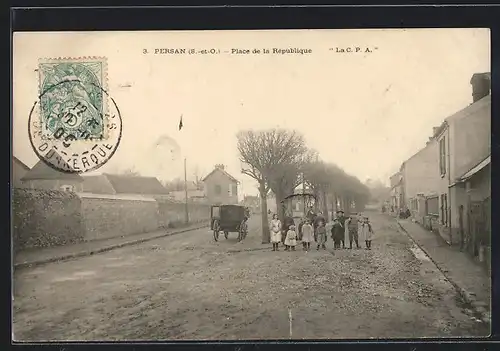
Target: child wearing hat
291,239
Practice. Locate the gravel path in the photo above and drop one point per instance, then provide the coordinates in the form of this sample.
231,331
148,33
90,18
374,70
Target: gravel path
190,287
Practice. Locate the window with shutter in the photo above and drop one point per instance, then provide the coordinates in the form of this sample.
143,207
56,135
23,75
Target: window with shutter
442,156
442,209
445,209
432,205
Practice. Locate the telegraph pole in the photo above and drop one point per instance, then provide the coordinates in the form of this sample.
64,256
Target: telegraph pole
303,194
186,214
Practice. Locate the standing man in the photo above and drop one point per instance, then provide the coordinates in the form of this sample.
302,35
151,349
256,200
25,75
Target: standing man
311,214
337,233
352,227
341,219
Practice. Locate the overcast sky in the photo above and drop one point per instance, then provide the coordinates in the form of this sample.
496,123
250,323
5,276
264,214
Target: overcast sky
365,112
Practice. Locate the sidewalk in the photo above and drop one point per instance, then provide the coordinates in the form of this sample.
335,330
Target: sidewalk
34,257
469,278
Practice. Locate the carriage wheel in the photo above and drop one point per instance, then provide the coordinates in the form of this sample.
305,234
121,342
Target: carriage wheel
216,230
226,234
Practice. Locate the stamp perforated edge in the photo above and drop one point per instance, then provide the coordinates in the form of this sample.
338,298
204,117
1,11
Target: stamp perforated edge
105,82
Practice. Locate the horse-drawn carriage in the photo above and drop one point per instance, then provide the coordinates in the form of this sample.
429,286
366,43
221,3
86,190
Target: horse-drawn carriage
229,218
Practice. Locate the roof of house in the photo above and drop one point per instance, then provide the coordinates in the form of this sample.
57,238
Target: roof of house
136,185
476,168
41,171
251,197
465,112
22,164
223,172
97,184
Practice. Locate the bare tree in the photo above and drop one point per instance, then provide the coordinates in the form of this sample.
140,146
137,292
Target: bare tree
176,184
130,172
287,175
198,178
328,181
255,164
320,177
273,158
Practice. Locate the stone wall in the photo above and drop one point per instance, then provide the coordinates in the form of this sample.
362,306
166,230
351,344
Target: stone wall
172,214
43,218
107,217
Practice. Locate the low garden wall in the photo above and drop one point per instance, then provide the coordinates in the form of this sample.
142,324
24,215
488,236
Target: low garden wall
173,214
44,218
107,217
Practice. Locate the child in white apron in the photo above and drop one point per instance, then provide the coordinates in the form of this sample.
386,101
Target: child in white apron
275,232
367,233
291,239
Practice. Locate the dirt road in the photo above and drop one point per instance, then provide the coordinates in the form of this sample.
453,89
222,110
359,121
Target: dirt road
189,287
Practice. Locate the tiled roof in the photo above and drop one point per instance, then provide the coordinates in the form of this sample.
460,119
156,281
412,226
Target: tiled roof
223,172
136,185
97,184
41,171
22,164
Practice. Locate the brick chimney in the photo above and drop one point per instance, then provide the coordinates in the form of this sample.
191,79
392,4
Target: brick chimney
219,166
481,85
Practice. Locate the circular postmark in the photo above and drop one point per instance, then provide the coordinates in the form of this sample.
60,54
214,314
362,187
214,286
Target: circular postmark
72,127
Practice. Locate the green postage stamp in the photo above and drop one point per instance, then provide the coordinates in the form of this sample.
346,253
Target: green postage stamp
74,126
73,98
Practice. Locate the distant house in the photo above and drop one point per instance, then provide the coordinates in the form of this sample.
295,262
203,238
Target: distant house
421,182
123,185
19,169
220,187
396,181
41,176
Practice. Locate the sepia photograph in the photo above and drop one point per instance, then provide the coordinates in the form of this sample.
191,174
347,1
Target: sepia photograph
251,185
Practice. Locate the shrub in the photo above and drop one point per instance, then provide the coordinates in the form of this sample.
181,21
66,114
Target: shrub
43,218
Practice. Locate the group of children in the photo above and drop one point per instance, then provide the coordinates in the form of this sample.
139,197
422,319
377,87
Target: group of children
342,229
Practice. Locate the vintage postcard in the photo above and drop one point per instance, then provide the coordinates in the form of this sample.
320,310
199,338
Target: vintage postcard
244,185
